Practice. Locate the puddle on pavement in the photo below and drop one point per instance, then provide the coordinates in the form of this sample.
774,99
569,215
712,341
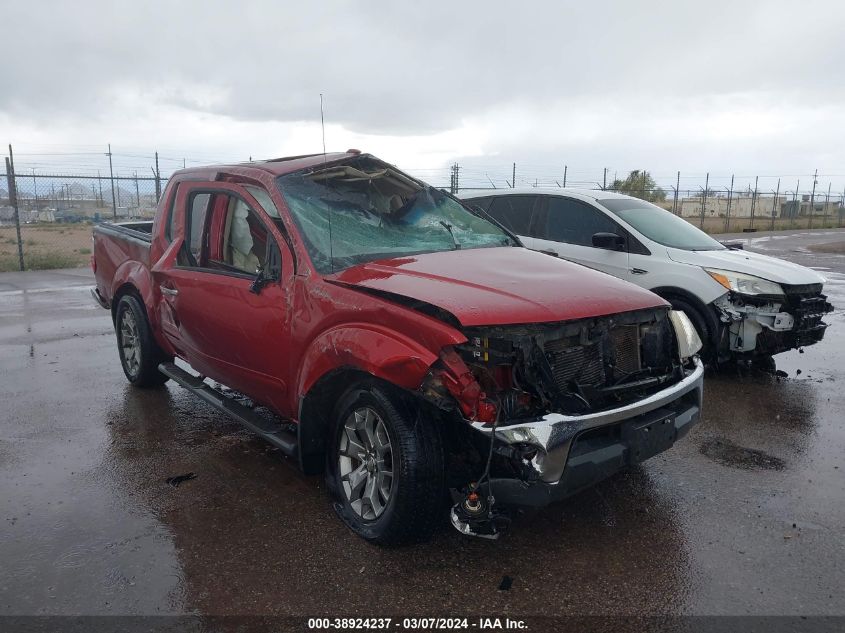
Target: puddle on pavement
726,452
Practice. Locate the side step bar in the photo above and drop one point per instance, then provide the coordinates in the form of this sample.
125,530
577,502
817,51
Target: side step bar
282,439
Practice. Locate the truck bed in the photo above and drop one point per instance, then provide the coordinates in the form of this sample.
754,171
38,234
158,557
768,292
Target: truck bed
116,244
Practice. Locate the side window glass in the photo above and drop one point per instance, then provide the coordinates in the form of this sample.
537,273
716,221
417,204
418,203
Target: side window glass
574,222
264,200
481,203
244,237
171,213
197,210
514,212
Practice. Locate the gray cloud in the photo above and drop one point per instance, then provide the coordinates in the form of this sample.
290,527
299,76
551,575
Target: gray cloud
401,69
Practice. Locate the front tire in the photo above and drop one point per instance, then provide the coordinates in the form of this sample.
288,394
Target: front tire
139,353
385,467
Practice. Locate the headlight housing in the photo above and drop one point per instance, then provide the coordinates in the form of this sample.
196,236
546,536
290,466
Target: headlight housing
745,284
689,342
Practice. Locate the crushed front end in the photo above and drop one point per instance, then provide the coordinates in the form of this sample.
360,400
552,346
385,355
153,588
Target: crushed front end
568,404
771,324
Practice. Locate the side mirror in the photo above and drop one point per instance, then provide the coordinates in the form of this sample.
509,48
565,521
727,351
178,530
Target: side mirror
609,241
271,270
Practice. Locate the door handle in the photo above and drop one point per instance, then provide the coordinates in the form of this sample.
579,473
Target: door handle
170,292
638,271
552,253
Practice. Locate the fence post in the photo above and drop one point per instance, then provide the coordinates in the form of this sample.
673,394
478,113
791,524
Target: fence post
824,213
513,178
754,201
13,200
565,169
728,210
704,198
774,204
137,195
111,177
158,181
813,199
677,189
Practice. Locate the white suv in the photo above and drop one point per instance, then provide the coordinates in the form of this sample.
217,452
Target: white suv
744,305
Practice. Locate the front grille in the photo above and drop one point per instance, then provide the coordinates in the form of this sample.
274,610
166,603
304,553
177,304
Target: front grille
802,290
595,364
575,363
626,347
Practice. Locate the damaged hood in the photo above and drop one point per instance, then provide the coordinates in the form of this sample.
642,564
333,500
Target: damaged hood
500,286
770,268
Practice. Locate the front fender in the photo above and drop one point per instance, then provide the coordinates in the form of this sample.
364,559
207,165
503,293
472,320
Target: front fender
374,349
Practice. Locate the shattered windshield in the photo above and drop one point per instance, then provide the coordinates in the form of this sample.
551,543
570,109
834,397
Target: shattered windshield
362,210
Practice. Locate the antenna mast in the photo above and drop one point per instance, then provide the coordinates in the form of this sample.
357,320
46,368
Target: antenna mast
323,129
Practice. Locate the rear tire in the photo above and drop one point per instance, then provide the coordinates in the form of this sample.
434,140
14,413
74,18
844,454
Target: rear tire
139,353
385,467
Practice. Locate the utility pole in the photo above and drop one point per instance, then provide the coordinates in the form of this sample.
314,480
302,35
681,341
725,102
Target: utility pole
119,203
111,177
774,204
604,180
813,199
513,177
728,212
565,169
13,200
704,198
754,200
644,183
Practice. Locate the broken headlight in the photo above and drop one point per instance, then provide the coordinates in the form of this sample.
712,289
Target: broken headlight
688,340
745,284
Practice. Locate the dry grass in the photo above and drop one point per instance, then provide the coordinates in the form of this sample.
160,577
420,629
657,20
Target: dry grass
46,246
737,225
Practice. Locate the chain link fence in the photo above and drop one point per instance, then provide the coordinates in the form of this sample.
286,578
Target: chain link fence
46,220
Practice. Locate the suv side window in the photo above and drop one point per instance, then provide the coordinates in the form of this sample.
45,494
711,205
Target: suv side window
574,222
513,212
481,203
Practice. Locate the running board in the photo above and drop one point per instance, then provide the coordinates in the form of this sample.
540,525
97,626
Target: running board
272,432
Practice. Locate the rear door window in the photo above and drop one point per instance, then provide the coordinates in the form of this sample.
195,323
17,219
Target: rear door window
513,212
575,222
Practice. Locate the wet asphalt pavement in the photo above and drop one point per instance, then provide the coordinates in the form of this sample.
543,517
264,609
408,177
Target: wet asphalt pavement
744,516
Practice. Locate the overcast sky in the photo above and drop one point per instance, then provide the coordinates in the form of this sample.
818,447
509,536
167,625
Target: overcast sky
752,88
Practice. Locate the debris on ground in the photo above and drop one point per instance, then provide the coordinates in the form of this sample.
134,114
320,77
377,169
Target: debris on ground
177,480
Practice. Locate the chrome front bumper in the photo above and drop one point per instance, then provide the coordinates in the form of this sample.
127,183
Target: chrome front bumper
552,435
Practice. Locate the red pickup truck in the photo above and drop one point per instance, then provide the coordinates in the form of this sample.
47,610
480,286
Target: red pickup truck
376,329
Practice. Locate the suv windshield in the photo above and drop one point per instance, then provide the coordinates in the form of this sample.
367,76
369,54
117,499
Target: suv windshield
661,226
362,209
